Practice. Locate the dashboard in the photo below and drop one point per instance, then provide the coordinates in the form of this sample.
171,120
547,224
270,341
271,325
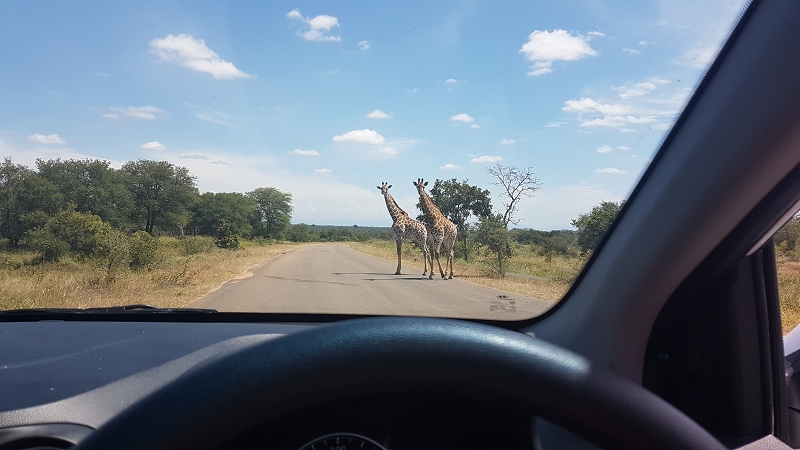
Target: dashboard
59,380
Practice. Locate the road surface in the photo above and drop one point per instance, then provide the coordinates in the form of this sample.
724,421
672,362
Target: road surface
334,278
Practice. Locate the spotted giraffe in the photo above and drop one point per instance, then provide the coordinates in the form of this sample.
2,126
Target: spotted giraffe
405,229
441,231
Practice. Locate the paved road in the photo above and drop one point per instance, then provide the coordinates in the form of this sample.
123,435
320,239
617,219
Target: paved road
333,278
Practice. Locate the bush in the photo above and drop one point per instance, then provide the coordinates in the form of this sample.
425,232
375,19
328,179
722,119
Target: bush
299,233
143,251
80,231
195,245
225,237
493,235
114,249
49,247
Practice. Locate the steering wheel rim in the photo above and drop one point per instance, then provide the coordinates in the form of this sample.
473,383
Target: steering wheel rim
230,394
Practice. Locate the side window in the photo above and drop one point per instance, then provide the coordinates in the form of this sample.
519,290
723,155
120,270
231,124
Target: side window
787,258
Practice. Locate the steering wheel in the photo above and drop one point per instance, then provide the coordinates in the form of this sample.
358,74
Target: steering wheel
230,394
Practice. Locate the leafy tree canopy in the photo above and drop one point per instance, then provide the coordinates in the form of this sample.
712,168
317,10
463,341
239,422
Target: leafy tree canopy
593,225
273,211
162,193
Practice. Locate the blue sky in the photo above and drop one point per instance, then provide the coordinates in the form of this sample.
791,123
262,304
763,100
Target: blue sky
328,99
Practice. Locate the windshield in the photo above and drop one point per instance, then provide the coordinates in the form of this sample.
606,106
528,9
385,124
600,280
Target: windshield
317,157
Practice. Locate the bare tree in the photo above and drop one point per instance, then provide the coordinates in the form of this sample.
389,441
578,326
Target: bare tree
517,184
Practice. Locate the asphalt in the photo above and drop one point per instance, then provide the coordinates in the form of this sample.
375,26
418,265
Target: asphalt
334,278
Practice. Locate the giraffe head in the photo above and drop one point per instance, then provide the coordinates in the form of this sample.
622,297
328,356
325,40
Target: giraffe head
384,188
420,184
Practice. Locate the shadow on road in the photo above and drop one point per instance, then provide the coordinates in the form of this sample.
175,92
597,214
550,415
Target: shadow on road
298,280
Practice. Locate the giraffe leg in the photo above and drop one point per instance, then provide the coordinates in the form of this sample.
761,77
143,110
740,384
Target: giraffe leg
450,262
441,272
399,255
424,248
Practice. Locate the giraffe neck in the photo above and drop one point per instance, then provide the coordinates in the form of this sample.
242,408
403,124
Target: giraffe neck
394,210
428,206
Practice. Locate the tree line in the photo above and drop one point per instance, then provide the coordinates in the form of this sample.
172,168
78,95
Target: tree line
59,197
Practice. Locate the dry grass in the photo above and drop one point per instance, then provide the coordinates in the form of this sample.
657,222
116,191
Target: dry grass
789,292
556,275
177,280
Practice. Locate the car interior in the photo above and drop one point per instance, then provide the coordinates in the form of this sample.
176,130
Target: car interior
670,337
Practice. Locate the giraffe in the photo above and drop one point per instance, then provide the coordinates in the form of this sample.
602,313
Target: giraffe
405,228
441,231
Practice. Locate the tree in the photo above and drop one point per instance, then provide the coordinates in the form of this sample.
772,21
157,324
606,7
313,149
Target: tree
90,186
493,234
238,211
273,211
593,225
26,200
162,193
458,201
517,184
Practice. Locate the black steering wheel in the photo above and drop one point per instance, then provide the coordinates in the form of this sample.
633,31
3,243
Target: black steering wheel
230,394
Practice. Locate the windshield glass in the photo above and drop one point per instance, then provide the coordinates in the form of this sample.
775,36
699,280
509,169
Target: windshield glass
317,157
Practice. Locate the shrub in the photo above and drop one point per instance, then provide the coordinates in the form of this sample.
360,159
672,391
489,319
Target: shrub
225,237
194,245
49,247
143,250
114,250
80,231
493,235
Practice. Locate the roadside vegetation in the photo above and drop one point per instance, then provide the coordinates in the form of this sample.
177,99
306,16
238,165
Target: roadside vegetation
79,233
787,252
181,271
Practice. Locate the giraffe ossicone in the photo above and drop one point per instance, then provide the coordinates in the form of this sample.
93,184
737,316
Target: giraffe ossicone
405,229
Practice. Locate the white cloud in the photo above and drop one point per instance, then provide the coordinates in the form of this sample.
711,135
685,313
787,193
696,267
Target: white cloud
193,53
596,34
318,27
384,151
640,89
610,170
624,148
507,141
643,42
412,91
541,68
638,107
363,45
486,159
199,157
135,112
153,145
47,139
466,118
450,167
217,117
631,51
378,114
544,47
451,81
475,126
604,149
365,136
323,170
300,152
555,124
